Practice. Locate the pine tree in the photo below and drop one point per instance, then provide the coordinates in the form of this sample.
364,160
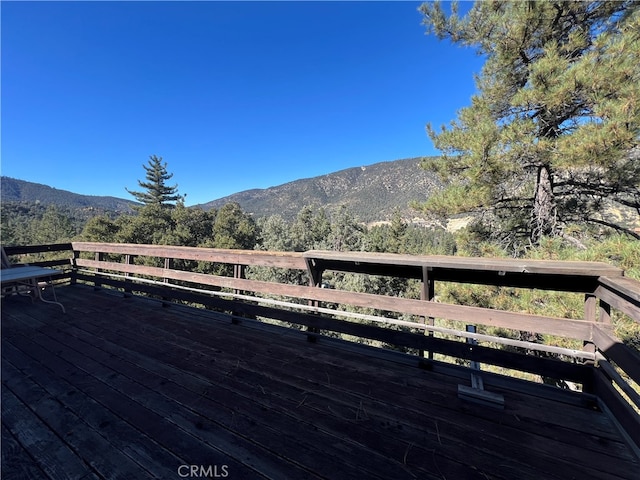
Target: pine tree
347,234
157,192
311,229
234,228
551,137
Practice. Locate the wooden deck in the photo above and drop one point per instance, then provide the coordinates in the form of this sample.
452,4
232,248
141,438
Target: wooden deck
124,388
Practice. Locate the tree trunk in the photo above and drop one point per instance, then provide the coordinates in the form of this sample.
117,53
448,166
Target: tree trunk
544,206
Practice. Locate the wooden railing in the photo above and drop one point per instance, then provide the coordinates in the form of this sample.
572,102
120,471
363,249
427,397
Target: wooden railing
30,254
604,367
52,256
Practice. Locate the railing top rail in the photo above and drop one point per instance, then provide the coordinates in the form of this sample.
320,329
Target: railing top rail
621,293
554,267
624,285
242,257
25,249
343,260
151,249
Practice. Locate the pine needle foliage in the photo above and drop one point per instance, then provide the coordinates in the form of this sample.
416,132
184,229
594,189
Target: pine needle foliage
157,192
551,136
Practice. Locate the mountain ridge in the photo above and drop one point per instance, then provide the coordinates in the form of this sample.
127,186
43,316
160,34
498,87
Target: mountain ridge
371,193
15,190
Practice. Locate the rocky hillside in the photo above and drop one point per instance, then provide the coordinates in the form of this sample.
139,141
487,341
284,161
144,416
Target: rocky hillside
371,193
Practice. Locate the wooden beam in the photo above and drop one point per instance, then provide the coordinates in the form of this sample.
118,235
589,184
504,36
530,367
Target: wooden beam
610,371
621,293
504,265
427,293
577,329
25,249
604,312
507,272
314,272
628,419
98,260
293,260
628,287
590,308
613,349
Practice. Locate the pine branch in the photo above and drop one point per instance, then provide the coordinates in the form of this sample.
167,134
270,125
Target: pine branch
614,226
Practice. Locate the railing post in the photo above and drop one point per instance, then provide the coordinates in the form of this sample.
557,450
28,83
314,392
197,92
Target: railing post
602,315
97,285
427,293
605,313
589,316
128,260
315,280
238,272
167,265
74,267
590,307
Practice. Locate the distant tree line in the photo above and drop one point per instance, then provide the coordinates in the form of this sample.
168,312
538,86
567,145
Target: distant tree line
31,223
162,218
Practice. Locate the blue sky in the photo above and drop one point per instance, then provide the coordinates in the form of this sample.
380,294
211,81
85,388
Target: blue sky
232,95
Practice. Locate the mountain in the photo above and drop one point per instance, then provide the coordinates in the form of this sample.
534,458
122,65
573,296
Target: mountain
13,190
371,193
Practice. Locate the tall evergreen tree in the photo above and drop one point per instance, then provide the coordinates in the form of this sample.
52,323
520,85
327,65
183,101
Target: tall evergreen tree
157,192
552,135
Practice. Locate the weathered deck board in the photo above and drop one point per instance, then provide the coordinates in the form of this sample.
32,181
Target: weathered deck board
343,387
16,461
133,403
55,458
153,388
254,393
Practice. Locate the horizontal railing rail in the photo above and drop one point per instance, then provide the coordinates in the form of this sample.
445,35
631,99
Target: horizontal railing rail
40,255
291,260
619,364
564,276
27,249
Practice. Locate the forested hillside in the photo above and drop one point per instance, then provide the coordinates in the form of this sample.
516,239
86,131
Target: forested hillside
33,213
372,193
13,190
